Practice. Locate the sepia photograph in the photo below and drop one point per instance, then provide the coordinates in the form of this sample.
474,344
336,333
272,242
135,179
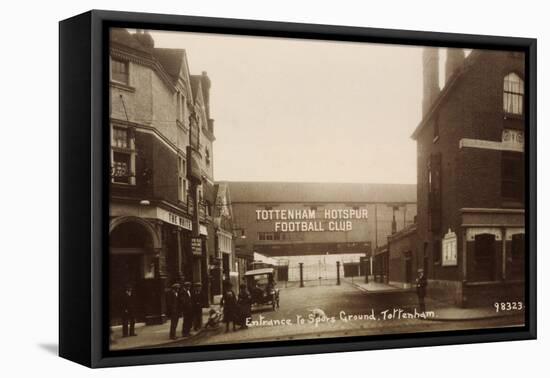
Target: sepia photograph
267,189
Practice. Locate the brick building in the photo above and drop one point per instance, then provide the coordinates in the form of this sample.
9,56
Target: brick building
402,257
162,223
471,188
317,224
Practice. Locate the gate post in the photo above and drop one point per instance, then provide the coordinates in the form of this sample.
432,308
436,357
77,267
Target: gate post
366,264
301,274
337,272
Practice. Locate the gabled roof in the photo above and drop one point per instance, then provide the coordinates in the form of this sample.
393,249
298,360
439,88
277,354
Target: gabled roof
316,192
171,60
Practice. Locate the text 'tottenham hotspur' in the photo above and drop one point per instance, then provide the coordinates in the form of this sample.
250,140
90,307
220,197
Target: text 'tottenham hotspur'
304,220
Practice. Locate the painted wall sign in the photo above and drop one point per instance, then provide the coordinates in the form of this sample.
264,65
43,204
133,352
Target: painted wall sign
310,220
196,246
512,140
449,249
179,221
152,212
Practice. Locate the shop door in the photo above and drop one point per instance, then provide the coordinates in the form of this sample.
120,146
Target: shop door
484,257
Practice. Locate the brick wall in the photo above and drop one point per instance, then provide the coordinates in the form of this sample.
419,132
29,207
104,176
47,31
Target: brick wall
469,177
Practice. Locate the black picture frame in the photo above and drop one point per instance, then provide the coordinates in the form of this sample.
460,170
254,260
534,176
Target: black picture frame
83,323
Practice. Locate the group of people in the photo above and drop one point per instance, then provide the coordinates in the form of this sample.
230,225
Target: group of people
236,308
185,301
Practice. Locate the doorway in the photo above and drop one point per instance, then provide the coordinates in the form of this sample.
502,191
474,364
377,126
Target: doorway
130,262
484,257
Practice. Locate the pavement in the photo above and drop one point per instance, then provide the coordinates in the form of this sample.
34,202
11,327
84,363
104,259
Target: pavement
373,286
153,335
444,311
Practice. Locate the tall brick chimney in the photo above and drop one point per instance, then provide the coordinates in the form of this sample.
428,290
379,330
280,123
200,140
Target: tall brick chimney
455,60
430,72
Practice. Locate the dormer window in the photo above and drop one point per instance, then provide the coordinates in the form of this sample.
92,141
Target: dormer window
513,94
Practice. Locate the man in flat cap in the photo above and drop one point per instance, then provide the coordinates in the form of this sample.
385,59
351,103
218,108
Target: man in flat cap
128,305
174,309
421,283
187,308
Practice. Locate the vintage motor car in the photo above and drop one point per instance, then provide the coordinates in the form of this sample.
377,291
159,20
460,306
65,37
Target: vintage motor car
261,284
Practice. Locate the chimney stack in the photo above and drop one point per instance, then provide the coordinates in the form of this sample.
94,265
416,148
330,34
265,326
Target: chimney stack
455,60
430,71
144,38
206,87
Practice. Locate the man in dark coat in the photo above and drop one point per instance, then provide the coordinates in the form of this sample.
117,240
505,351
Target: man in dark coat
196,304
128,312
244,303
421,283
186,308
174,309
229,304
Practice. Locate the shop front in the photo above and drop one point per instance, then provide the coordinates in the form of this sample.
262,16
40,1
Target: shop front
493,253
149,249
134,262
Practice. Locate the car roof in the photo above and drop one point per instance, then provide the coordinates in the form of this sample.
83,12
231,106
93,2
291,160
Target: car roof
259,271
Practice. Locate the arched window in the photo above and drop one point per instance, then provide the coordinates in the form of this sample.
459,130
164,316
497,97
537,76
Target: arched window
513,94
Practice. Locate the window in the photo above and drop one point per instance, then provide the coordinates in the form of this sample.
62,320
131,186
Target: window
513,94
119,71
512,176
121,168
182,182
123,156
120,138
207,156
272,236
180,107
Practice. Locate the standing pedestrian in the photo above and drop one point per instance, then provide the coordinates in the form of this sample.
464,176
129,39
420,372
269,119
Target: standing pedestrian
229,304
421,284
174,309
186,308
196,304
244,301
128,312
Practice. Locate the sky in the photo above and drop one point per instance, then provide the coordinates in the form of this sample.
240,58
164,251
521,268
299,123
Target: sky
308,110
